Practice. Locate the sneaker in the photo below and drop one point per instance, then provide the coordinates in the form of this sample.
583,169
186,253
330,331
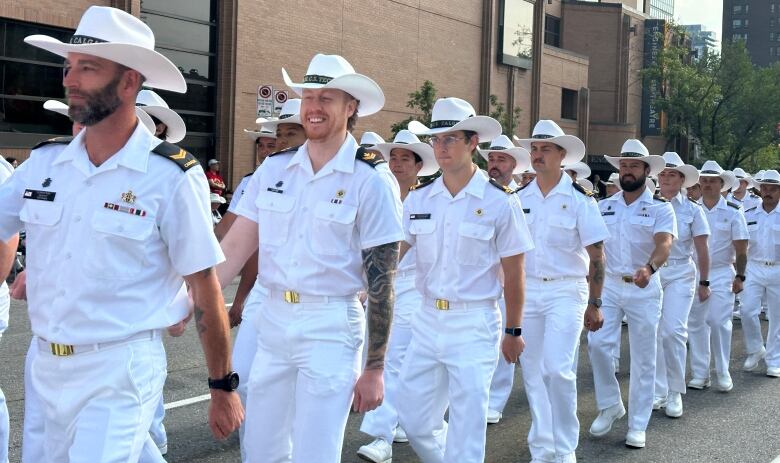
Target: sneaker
773,372
379,451
674,408
659,402
752,360
635,439
603,423
400,435
724,383
493,416
699,383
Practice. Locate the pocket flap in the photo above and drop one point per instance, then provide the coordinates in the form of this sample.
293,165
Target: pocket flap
339,213
563,221
639,220
422,227
41,212
122,224
275,202
476,231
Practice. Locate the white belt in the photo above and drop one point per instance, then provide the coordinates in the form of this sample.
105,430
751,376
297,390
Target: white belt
675,262
65,350
294,297
561,278
445,304
767,263
404,274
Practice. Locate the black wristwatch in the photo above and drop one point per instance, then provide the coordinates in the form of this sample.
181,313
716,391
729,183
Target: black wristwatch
595,302
705,283
741,277
229,383
653,268
514,331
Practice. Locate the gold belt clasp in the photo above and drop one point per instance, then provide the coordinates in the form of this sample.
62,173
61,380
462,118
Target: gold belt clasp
442,304
61,350
292,297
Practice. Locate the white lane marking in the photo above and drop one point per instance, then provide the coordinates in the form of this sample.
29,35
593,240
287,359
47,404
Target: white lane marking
776,460
185,402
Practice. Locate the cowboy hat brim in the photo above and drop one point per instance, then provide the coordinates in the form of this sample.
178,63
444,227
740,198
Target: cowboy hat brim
485,127
690,173
585,183
176,127
254,134
158,70
424,150
272,125
365,90
520,155
728,180
656,163
575,148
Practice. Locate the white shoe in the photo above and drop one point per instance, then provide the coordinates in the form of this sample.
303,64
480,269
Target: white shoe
635,439
724,383
752,360
736,316
659,402
773,372
163,449
400,435
379,451
699,383
493,416
603,423
674,408
616,360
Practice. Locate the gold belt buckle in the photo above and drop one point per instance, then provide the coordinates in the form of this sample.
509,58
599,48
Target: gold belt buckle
627,279
61,350
442,304
292,297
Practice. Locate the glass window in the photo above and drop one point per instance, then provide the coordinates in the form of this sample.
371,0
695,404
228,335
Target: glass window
195,9
29,79
198,124
192,65
28,116
569,104
746,22
199,97
737,9
552,31
180,34
747,8
12,44
736,24
517,29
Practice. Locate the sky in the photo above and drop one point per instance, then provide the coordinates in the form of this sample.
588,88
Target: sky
706,12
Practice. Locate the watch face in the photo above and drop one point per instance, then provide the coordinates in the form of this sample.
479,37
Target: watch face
234,381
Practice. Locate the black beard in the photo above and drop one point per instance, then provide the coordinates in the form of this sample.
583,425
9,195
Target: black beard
632,186
98,104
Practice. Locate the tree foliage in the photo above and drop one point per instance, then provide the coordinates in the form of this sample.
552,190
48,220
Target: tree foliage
421,101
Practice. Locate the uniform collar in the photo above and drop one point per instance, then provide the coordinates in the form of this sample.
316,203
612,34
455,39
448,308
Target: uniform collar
679,198
512,184
344,161
645,197
134,155
475,187
564,186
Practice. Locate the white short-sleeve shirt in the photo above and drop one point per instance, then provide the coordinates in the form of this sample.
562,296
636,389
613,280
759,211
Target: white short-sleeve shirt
749,201
727,224
107,246
313,227
764,230
691,222
5,301
238,193
459,241
632,228
562,224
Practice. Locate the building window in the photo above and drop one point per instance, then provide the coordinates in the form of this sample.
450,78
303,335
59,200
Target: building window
746,22
569,104
772,8
771,51
736,23
737,9
772,22
747,8
552,31
771,36
186,33
516,30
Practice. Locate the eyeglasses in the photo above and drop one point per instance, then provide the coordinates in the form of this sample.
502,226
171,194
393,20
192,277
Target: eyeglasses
447,141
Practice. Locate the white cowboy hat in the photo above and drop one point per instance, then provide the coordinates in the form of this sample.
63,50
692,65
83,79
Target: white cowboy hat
769,177
674,162
585,183
530,170
409,141
758,175
548,131
651,184
216,198
742,175
453,114
6,166
502,144
261,130
370,139
582,169
61,108
635,149
289,114
120,37
157,107
333,71
614,179
713,169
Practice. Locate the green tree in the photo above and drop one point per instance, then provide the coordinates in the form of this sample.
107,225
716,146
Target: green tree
508,120
421,101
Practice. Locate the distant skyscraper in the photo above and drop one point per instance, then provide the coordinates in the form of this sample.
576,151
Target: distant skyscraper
662,9
757,23
702,41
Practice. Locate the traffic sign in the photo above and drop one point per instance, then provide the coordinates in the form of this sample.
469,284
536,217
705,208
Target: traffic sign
265,101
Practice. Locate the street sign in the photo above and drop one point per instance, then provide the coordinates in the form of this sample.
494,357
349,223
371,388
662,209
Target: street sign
265,101
280,96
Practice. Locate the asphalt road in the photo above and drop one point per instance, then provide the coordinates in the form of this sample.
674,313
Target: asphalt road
741,426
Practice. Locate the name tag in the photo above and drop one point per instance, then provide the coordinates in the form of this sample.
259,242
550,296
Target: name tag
752,223
419,216
40,195
608,213
274,190
527,211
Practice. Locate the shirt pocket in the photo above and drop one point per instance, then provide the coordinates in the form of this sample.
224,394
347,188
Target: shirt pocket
42,234
118,245
642,227
684,224
563,232
424,239
474,242
274,213
333,228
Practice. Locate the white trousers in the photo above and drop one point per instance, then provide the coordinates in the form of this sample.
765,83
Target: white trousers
32,435
5,305
504,376
679,285
244,348
552,323
642,307
302,380
762,280
450,360
709,324
98,405
381,422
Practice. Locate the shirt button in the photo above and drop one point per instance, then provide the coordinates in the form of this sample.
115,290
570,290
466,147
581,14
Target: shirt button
77,218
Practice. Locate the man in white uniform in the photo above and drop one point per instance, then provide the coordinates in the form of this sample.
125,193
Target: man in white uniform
568,234
740,194
103,214
709,323
678,280
641,228
464,229
7,258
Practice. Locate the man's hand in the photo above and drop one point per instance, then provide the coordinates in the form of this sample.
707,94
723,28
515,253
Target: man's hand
178,329
19,287
593,318
737,285
704,293
369,390
225,413
512,347
234,314
642,276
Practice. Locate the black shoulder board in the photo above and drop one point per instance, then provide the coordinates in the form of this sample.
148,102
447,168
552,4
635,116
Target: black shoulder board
249,174
52,141
693,201
183,159
734,205
752,209
753,195
284,151
660,198
582,189
521,188
422,185
501,187
370,158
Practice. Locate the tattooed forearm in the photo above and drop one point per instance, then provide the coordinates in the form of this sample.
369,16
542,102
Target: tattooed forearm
596,271
199,324
741,264
379,263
